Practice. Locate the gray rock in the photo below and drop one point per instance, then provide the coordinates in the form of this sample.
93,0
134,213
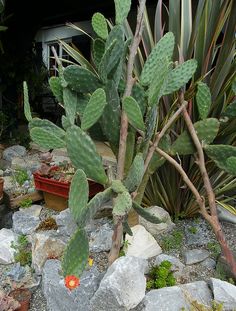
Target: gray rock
225,293
7,237
142,244
201,235
176,298
17,272
33,210
195,255
24,222
225,215
177,265
13,152
123,286
59,297
1,173
25,163
65,222
9,184
101,239
156,229
208,263
222,266
46,245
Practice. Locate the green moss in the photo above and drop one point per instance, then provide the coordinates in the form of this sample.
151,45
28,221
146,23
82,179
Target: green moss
22,252
192,230
173,241
26,203
161,276
214,248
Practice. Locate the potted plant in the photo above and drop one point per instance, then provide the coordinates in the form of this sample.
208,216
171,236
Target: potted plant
55,180
23,296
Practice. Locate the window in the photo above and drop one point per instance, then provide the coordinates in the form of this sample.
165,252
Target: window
52,64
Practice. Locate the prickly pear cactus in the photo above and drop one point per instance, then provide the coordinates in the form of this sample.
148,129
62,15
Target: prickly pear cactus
134,113
203,99
122,10
26,101
99,24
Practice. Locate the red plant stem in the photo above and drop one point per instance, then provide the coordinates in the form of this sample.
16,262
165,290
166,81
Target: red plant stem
213,219
118,230
129,85
159,135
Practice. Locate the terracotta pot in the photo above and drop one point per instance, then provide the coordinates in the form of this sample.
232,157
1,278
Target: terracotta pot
1,187
23,296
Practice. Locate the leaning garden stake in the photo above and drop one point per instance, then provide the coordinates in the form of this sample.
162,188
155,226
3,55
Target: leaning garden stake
106,94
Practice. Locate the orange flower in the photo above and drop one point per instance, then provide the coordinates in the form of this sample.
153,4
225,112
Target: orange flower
71,282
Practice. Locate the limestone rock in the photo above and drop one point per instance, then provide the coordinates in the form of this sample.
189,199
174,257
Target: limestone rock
176,298
225,293
142,244
225,215
101,239
24,222
13,152
156,229
46,245
33,210
195,255
123,286
7,237
59,297
25,163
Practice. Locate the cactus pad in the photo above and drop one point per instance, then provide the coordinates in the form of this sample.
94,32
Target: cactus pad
99,24
135,173
143,212
134,113
47,125
65,122
70,104
139,95
26,102
163,50
81,80
230,111
224,156
56,88
46,139
94,109
180,76
98,51
82,152
122,10
127,228
122,204
203,99
78,195
76,254
206,131
117,186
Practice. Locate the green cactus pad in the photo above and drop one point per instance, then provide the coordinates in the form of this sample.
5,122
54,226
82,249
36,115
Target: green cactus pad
76,254
46,139
94,205
82,102
130,146
26,102
118,187
78,195
158,81
180,76
98,51
122,10
65,122
99,24
163,50
122,204
70,104
224,157
135,173
47,125
127,228
231,165
56,88
134,113
143,212
94,109
106,65
81,80
110,120
203,99
150,122
230,111
82,152
139,95
206,131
